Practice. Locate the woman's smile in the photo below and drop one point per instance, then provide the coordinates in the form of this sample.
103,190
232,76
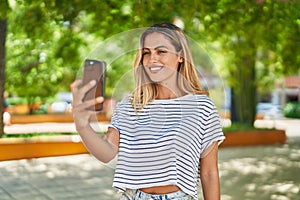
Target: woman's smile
155,68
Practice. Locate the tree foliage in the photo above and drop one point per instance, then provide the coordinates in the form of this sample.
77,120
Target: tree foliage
259,41
47,40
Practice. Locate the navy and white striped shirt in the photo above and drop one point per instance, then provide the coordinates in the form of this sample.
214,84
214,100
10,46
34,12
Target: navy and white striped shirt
162,144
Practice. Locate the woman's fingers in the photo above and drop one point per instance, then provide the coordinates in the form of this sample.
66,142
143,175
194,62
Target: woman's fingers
87,104
82,112
74,86
88,86
92,102
78,94
80,107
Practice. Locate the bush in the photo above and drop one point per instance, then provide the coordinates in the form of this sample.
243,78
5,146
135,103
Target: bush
292,110
12,101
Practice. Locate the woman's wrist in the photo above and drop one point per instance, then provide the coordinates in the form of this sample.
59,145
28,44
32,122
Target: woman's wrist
82,128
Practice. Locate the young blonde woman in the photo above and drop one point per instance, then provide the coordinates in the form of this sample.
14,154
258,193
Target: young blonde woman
166,134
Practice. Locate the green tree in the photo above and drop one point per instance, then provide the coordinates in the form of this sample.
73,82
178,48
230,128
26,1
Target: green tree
258,38
48,39
3,29
43,50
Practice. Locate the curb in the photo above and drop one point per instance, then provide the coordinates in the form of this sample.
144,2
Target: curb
47,146
26,119
254,138
37,147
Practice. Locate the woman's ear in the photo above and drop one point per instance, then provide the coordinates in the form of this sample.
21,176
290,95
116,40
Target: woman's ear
181,59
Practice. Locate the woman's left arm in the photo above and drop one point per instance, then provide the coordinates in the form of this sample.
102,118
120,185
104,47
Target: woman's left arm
209,174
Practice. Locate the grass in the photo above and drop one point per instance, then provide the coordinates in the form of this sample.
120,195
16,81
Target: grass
242,127
30,135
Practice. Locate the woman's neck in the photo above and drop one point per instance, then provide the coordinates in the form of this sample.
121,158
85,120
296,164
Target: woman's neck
168,92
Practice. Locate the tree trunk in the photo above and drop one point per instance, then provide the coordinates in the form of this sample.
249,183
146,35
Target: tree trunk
233,112
3,27
244,89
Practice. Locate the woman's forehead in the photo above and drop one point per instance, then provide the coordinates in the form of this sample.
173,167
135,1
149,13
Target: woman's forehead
156,40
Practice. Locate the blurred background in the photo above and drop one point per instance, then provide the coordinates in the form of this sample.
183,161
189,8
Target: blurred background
247,54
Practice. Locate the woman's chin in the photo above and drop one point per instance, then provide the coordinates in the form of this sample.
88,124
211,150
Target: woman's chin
162,75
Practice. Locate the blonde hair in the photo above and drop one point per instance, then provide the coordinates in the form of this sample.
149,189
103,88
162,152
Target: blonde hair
188,80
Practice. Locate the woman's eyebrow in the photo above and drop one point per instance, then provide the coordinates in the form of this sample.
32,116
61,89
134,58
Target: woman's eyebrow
158,47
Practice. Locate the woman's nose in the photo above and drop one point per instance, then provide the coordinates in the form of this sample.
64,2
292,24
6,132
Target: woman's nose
153,57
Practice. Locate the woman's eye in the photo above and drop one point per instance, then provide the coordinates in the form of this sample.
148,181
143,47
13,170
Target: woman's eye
162,51
146,53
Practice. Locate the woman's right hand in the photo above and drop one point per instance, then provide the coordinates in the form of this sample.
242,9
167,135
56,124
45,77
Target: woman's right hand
81,113
103,148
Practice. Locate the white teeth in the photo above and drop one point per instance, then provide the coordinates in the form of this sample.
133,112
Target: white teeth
153,69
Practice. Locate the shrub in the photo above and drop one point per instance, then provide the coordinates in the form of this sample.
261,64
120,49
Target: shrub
292,110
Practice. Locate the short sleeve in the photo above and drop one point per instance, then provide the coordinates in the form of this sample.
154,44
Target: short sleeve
213,132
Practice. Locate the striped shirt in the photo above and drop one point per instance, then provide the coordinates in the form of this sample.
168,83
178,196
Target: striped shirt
163,143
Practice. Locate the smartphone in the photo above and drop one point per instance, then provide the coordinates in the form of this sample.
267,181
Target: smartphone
94,70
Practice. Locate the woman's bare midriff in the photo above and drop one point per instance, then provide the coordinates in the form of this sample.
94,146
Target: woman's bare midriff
166,189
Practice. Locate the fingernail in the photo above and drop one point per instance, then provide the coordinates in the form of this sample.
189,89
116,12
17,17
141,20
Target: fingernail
92,82
99,99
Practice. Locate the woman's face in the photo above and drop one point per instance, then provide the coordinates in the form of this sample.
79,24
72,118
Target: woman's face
160,58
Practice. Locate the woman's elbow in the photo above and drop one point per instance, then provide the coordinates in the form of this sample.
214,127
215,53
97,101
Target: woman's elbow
104,157
107,159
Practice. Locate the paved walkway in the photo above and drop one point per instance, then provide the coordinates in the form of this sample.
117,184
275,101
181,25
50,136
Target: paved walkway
67,177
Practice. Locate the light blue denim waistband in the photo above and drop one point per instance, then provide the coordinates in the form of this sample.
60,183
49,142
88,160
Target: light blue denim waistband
139,195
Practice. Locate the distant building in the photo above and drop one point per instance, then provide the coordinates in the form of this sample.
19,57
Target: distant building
287,91
292,88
